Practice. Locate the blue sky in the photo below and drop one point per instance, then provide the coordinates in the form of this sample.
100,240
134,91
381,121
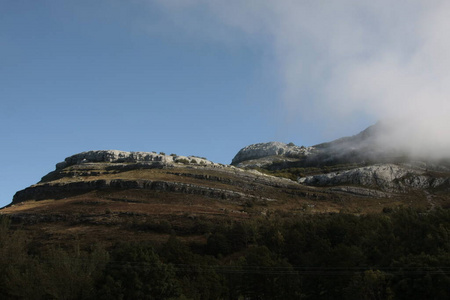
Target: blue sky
192,77
73,80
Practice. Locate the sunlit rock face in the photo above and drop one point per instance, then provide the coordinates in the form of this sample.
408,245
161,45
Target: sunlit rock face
261,150
386,177
369,159
107,170
373,145
360,147
116,156
112,156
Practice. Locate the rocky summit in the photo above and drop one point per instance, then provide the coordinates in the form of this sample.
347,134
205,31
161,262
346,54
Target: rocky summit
362,160
270,150
364,147
352,174
115,156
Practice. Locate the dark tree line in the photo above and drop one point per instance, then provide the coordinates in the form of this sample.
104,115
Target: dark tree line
403,254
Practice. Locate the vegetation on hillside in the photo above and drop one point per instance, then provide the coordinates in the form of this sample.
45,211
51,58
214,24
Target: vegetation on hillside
400,254
280,169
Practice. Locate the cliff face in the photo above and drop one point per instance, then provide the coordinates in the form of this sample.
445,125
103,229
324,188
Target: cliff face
271,149
115,156
385,177
360,160
117,170
360,148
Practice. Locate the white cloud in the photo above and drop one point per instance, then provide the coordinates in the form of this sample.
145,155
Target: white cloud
336,59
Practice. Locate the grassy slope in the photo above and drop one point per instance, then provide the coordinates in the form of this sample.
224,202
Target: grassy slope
132,214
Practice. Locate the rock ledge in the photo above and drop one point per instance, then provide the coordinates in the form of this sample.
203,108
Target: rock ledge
116,156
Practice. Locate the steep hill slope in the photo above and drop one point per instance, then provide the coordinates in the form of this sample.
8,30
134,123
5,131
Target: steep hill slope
115,192
360,160
365,147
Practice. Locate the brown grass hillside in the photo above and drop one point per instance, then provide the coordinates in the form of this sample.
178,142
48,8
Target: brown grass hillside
139,203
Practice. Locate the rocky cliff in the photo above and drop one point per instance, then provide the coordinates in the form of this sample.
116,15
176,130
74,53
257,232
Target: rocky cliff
385,177
115,156
350,168
364,147
270,150
360,160
111,169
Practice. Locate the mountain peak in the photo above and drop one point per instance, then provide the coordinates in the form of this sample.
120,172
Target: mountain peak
270,149
116,156
370,145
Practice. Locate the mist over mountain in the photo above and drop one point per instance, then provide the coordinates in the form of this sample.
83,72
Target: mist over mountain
382,142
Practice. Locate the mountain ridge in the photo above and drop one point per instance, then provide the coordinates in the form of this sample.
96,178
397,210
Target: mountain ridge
355,165
362,147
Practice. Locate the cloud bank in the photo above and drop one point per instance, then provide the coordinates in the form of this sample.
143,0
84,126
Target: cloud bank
335,60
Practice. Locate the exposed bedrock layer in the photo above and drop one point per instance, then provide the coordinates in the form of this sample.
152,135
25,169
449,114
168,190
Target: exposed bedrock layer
386,177
116,156
262,150
63,190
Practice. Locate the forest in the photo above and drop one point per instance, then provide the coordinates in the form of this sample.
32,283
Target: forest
401,253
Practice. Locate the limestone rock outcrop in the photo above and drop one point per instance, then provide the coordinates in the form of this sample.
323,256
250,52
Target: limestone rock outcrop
360,148
102,170
261,150
115,156
385,177
62,190
365,160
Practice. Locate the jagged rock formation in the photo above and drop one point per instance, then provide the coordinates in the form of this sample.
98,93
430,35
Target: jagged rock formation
385,177
363,160
263,150
115,156
80,174
61,190
365,147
